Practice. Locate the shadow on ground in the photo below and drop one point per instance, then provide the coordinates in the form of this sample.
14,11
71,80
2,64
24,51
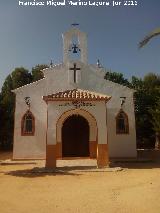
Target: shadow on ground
41,172
80,170
16,163
66,170
147,164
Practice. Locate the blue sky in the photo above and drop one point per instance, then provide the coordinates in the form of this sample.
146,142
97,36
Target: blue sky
32,35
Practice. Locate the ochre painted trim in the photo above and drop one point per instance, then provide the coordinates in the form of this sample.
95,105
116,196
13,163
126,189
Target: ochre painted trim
107,133
74,112
15,104
93,149
51,156
46,136
102,155
47,125
59,150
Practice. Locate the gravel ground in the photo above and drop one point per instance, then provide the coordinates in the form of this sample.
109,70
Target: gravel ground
77,186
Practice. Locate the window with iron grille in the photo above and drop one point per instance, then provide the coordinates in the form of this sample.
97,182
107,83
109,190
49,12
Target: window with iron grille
122,125
28,124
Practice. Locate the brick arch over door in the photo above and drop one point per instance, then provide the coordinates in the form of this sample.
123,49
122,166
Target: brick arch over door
92,129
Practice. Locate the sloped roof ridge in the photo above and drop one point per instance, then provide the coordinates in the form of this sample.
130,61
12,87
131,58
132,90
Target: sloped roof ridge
77,93
35,82
32,83
103,70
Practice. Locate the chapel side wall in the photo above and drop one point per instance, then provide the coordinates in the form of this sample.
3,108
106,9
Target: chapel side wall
119,145
30,147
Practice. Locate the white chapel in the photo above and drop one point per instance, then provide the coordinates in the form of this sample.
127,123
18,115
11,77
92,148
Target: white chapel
74,112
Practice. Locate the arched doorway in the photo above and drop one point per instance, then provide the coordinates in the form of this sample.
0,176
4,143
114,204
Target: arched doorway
75,137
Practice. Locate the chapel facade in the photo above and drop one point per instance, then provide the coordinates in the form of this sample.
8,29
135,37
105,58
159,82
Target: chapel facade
74,112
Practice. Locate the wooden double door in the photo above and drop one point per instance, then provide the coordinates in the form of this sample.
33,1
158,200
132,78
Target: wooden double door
75,137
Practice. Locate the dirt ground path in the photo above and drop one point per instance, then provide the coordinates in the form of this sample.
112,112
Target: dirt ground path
134,189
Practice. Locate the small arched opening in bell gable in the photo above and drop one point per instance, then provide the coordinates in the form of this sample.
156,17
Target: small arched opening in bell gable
74,48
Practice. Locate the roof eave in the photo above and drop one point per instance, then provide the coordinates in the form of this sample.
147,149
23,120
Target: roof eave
47,99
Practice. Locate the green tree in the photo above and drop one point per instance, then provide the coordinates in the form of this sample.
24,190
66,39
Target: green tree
152,82
146,96
116,78
37,73
147,92
19,77
1,116
155,112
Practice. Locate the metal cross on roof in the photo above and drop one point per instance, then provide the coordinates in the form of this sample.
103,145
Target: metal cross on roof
75,68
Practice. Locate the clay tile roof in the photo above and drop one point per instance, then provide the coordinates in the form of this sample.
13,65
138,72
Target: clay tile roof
76,94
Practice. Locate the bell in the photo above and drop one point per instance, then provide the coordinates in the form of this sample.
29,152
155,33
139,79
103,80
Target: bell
74,50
